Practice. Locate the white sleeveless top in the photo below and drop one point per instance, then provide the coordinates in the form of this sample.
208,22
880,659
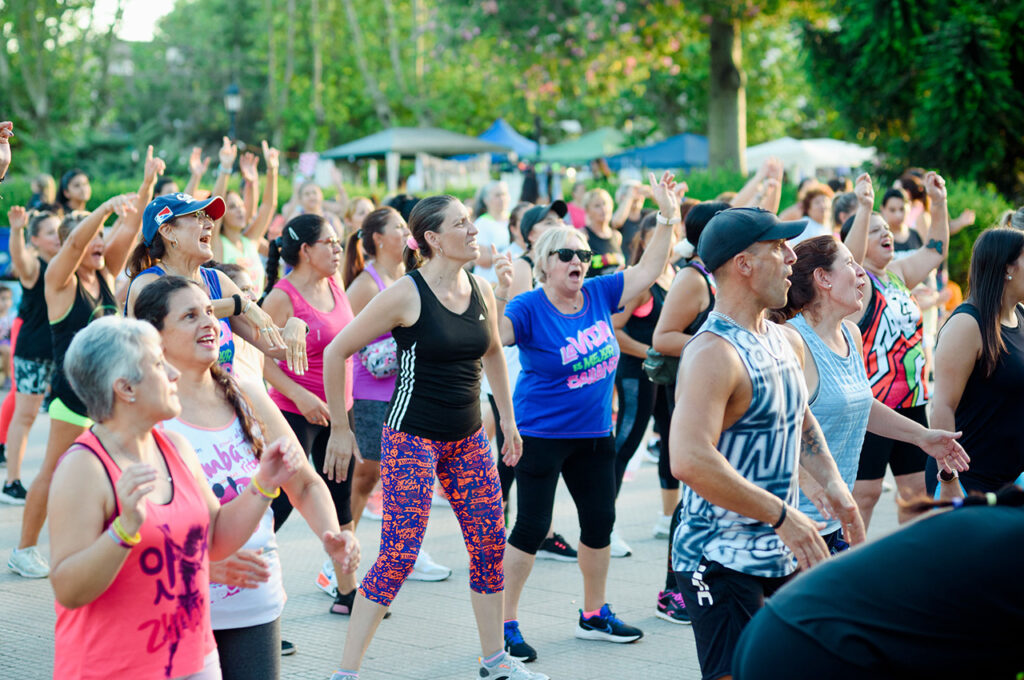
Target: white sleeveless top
228,463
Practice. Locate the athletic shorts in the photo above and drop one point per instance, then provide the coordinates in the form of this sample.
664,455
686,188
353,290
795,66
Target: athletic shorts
368,416
902,458
32,376
59,411
721,602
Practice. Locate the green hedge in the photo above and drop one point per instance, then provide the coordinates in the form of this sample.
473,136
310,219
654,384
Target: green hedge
988,205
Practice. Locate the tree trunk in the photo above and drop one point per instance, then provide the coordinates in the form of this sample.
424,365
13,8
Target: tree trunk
318,75
380,102
727,101
273,112
289,71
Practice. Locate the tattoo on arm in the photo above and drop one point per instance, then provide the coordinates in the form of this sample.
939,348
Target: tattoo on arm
813,440
936,245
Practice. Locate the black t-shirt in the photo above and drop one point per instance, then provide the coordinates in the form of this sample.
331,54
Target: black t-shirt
991,411
607,258
34,341
641,329
941,598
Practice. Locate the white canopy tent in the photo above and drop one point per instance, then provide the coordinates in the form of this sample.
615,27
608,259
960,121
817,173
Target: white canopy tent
805,157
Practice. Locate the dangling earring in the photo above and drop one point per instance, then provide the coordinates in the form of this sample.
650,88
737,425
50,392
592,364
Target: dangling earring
174,244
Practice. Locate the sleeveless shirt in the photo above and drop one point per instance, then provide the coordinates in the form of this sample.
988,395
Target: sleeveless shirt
323,327
763,446
364,384
991,411
34,340
640,327
893,347
229,464
247,257
709,281
841,404
437,395
83,311
153,621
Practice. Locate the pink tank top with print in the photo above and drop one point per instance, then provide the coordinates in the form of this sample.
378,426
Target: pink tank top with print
323,326
153,621
364,385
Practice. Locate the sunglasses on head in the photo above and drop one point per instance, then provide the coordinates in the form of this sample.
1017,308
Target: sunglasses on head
566,254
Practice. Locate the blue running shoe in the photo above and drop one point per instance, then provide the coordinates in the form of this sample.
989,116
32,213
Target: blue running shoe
606,626
515,645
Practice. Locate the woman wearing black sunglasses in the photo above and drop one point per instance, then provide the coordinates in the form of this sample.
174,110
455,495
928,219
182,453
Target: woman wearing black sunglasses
563,402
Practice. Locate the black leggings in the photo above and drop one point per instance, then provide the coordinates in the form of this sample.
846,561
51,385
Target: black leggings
313,439
586,465
506,475
639,399
251,653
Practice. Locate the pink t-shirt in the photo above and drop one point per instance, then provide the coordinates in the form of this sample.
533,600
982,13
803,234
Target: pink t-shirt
323,326
153,621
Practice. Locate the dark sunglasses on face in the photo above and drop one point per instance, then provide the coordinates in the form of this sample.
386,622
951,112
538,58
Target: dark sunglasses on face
566,255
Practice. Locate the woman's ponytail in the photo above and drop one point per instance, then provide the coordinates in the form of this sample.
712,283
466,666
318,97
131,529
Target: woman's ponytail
273,264
355,261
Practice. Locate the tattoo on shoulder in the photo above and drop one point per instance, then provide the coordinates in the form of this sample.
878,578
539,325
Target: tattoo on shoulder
936,245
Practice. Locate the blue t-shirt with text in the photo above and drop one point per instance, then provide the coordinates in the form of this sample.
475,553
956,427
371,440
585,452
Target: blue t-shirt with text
565,388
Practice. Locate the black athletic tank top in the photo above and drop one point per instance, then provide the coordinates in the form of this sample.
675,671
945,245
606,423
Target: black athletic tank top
83,311
607,255
709,280
641,329
437,393
991,411
34,336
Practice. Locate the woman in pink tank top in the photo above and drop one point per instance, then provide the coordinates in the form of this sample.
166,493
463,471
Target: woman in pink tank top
311,292
133,525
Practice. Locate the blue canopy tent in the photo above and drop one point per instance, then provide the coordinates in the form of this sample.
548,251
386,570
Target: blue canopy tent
503,134
683,151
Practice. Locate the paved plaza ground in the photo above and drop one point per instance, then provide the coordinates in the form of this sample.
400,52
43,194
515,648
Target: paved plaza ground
431,634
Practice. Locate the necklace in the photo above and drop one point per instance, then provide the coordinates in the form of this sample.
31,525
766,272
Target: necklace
112,438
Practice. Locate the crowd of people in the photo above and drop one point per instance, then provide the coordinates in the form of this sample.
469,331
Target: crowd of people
207,351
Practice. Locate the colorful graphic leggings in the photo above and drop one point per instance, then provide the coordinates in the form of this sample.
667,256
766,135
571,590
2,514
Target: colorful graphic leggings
467,474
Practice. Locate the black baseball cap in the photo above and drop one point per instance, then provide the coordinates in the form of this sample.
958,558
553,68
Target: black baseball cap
732,231
539,212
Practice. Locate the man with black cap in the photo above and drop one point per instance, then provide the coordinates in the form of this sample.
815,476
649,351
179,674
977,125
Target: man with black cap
742,428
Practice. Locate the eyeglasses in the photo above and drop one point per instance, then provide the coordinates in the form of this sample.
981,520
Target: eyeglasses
201,215
330,242
566,254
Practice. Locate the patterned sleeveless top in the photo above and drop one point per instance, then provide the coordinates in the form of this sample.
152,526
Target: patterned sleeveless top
763,446
893,348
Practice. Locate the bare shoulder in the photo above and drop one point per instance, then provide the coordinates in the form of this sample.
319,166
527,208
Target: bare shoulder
709,356
962,329
858,340
793,338
483,285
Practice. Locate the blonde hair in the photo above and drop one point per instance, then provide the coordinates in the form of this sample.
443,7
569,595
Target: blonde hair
599,193
550,241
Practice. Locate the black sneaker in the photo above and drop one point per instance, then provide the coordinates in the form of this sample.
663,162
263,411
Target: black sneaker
287,648
672,608
606,626
13,493
556,548
343,603
515,645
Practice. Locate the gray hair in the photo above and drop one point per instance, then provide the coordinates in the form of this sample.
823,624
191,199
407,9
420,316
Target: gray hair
550,241
843,203
105,351
1013,218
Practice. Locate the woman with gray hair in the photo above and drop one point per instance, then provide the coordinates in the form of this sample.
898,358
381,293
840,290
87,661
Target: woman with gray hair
133,525
563,399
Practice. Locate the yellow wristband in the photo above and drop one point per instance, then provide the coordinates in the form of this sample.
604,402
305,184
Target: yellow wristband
123,534
260,491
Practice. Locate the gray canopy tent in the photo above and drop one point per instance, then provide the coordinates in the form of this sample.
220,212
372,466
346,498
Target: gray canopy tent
393,143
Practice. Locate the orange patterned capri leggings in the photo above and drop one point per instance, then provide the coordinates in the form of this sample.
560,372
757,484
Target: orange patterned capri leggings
468,475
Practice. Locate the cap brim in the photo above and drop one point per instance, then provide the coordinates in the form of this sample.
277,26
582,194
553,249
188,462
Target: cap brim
784,230
214,207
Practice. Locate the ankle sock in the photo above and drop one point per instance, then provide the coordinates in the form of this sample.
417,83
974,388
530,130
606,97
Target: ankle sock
493,659
590,615
345,675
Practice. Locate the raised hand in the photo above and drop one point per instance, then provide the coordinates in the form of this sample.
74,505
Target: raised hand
663,192
154,167
17,218
135,482
244,569
6,132
227,154
196,163
865,191
279,462
122,205
935,185
248,166
503,271
271,157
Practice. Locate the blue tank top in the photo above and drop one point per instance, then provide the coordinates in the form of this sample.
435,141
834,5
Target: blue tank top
227,338
763,446
841,404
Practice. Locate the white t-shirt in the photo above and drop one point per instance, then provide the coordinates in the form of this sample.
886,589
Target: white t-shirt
491,232
810,231
228,463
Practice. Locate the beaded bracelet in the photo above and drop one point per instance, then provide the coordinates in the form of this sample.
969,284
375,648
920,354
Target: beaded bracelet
123,534
117,539
259,489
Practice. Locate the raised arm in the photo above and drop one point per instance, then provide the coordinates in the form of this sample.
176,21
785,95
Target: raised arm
505,271
120,242
6,132
23,260
640,276
686,299
915,268
624,208
857,239
197,168
747,196
227,154
257,229
248,168
61,270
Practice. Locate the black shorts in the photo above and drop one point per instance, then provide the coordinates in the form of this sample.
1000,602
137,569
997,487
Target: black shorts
721,602
901,457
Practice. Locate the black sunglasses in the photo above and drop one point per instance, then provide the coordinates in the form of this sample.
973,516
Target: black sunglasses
566,255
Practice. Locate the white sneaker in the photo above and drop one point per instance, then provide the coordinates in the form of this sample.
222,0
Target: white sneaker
619,547
326,580
652,452
663,526
508,668
427,569
28,562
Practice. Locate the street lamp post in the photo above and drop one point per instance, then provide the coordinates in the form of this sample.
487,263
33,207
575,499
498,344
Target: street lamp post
233,104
